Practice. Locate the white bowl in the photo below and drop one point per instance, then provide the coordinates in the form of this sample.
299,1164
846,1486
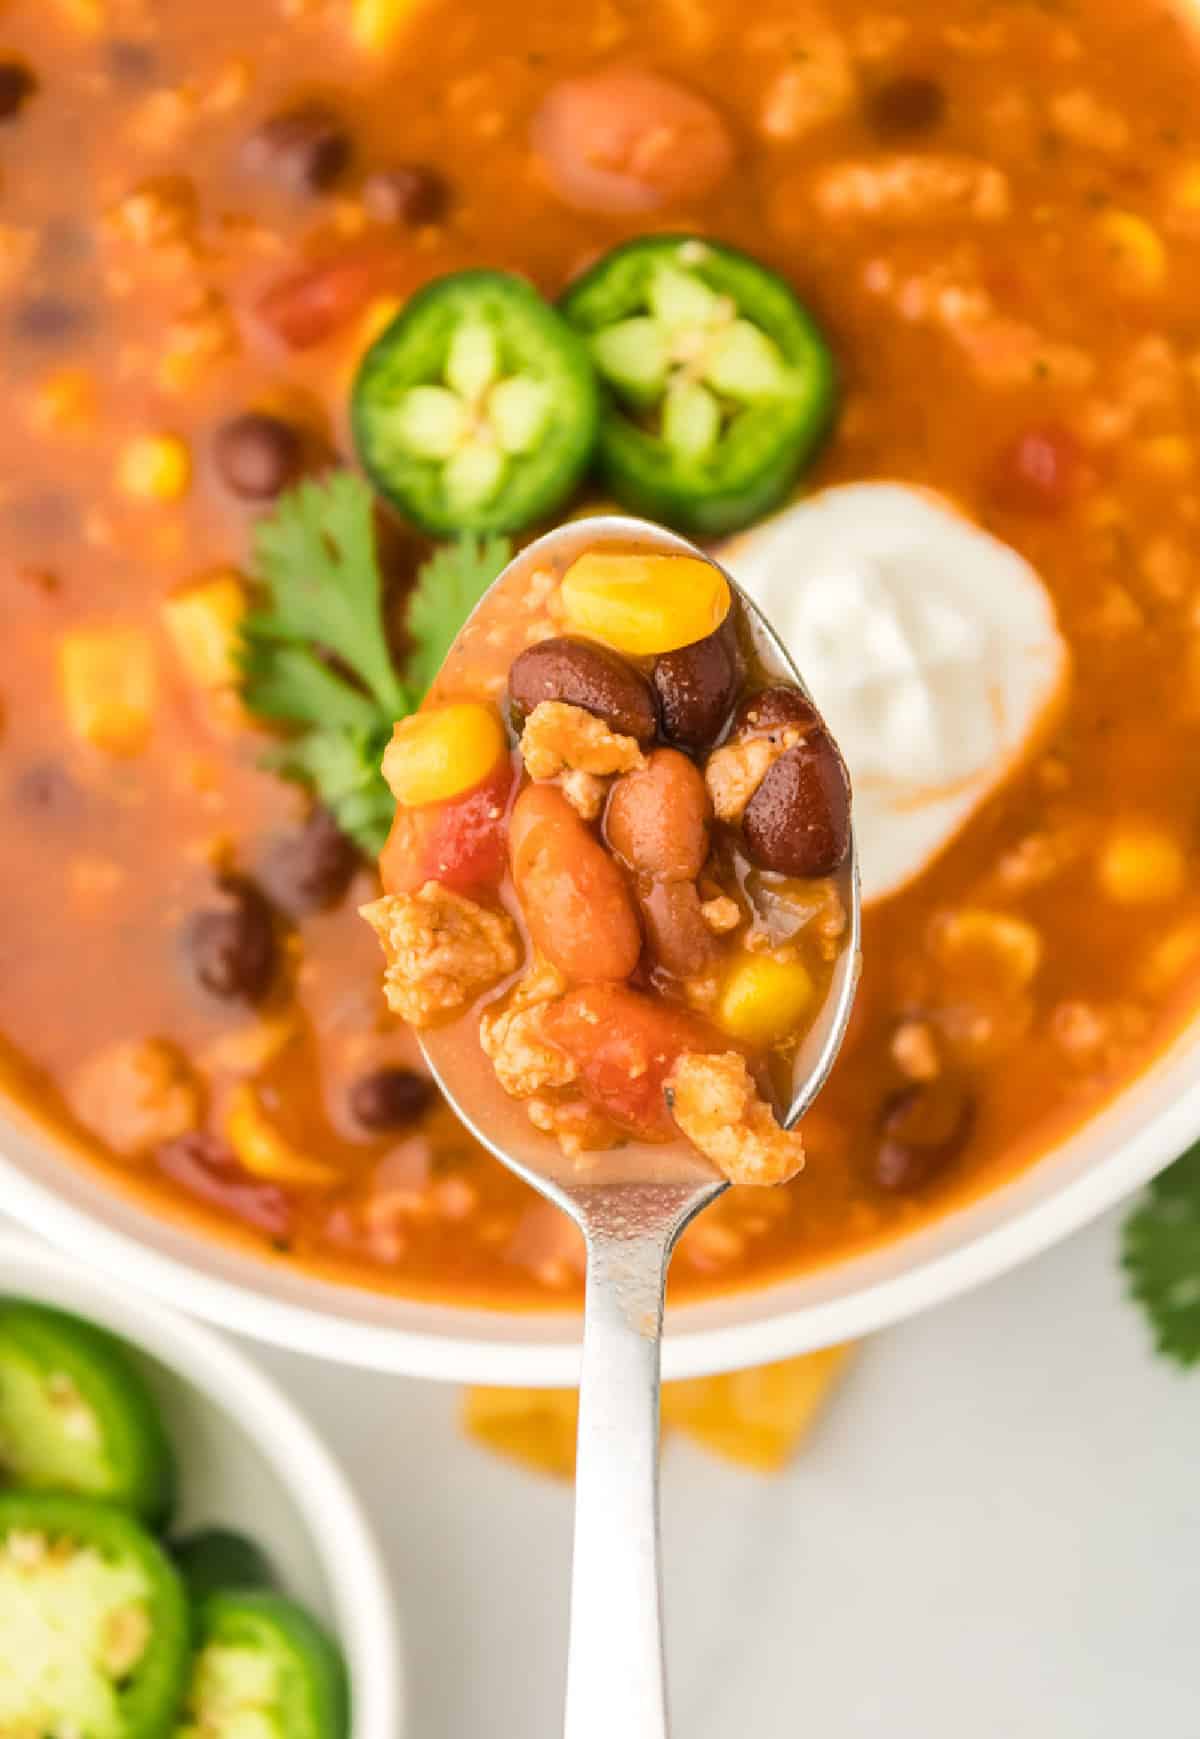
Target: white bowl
1142,1131
248,1460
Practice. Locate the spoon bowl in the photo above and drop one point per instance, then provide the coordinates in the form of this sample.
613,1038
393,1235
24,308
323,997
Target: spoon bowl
631,1204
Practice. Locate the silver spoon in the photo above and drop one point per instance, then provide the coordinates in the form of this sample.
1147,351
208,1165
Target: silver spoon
631,1206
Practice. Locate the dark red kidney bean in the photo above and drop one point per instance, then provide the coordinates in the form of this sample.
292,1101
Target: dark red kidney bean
310,869
695,688
922,1130
409,194
17,85
307,307
208,1170
657,818
390,1098
907,104
303,150
798,821
585,675
771,710
230,944
1042,471
679,939
257,456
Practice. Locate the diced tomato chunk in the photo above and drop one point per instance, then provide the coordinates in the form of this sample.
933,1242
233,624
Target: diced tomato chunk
1043,471
624,1045
460,844
310,305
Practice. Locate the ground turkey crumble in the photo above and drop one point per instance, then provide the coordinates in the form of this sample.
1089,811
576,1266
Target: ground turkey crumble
560,738
735,771
441,950
714,1101
511,1036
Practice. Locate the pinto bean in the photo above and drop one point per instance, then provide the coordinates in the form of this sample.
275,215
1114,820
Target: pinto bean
695,688
923,1129
630,141
658,818
582,674
909,103
678,937
576,904
798,821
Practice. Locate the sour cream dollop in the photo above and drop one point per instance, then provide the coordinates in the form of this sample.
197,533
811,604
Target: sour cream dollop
931,647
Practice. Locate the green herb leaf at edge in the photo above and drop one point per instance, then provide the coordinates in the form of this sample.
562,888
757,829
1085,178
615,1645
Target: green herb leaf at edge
1160,1252
448,587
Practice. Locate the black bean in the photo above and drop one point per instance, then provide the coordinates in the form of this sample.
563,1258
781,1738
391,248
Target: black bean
906,104
257,456
309,869
584,675
48,318
46,788
773,709
391,1098
922,1130
695,688
230,943
411,194
17,85
304,150
798,821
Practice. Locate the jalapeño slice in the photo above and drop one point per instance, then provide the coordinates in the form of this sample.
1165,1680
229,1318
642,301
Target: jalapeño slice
477,408
94,1628
76,1414
264,1666
720,384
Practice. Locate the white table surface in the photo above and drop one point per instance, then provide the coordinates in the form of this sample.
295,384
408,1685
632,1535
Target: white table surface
995,1532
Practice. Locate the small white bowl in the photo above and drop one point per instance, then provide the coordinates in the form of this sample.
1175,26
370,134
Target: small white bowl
248,1460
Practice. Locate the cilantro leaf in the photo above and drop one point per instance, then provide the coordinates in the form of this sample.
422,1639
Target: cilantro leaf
315,654
341,765
315,558
448,588
1160,1252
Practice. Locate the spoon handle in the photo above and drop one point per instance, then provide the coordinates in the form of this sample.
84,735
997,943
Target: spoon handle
615,1669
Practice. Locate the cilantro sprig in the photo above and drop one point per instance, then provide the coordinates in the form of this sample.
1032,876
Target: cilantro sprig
315,653
1160,1251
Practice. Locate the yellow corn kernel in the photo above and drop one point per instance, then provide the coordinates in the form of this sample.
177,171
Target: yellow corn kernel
757,1418
376,24
66,400
264,1151
202,622
439,753
109,685
1168,960
155,468
1183,198
1135,252
1141,865
86,15
1171,456
535,1427
644,604
764,1000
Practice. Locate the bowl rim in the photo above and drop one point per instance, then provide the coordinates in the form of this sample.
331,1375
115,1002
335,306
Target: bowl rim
366,1617
1030,1211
